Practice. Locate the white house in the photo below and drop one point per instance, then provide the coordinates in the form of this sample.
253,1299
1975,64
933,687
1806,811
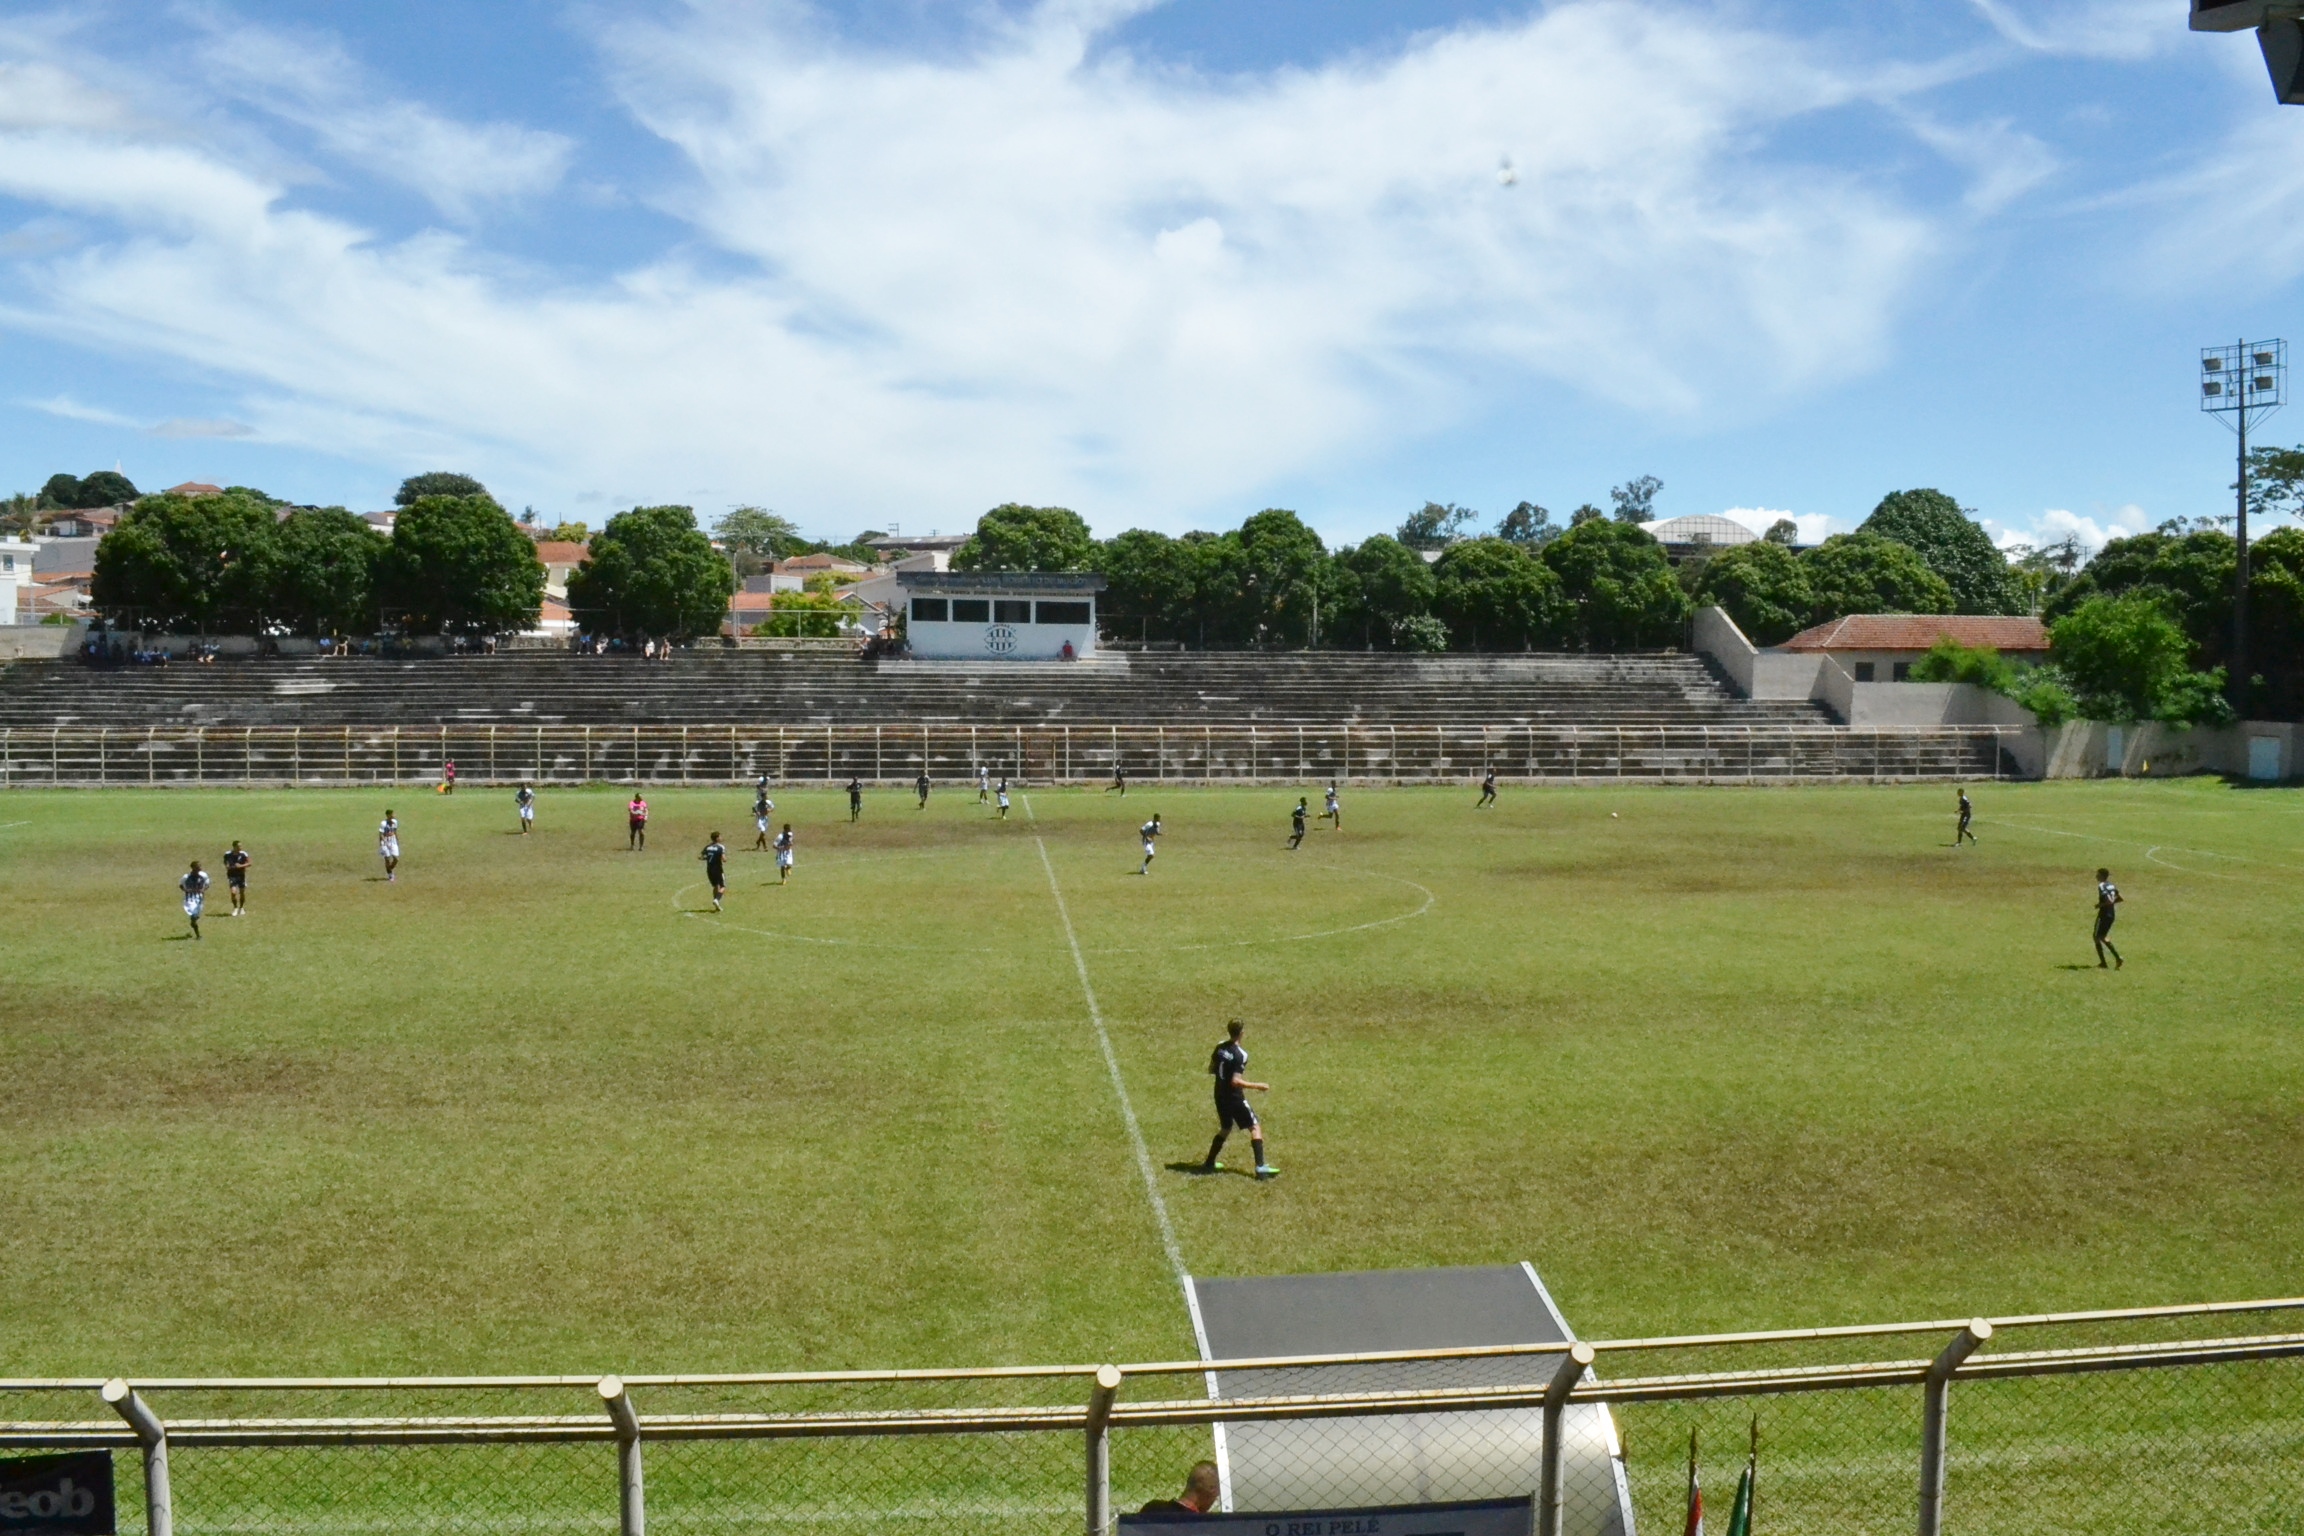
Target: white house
1000,615
16,581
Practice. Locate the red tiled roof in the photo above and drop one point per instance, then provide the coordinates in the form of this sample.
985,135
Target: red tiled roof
560,552
195,488
1919,631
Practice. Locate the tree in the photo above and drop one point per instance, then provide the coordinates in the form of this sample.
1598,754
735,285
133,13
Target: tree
2128,659
1018,538
1495,595
2276,482
1435,525
459,564
1763,586
1149,585
570,533
186,562
2041,690
438,482
1587,513
1865,573
2041,571
1783,531
1527,524
1620,586
814,615
651,572
1955,546
61,493
1380,584
320,572
1287,576
758,532
1635,501
105,488
20,513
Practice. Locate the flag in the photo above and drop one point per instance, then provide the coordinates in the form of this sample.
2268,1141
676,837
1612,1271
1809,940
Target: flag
1740,1515
1695,1525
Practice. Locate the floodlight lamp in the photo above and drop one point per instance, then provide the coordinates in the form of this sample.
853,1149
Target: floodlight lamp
2211,388
2264,384
2264,359
2212,364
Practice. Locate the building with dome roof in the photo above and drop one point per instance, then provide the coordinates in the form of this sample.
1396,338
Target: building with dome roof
1699,536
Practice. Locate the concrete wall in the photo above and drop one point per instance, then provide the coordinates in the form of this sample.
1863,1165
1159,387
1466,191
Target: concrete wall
1756,674
2088,749
40,642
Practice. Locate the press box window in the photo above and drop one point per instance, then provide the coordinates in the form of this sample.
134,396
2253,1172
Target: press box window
930,610
971,610
1901,671
1064,613
1011,611
1863,671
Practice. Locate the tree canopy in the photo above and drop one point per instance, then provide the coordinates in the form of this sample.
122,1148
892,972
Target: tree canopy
1763,586
1635,500
104,488
1286,569
186,563
758,532
651,572
438,482
2128,659
1495,595
1954,545
1011,537
1435,525
1865,573
1381,584
460,565
320,572
1527,523
1619,584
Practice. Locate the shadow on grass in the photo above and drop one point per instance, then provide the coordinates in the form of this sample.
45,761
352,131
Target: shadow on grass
1203,1171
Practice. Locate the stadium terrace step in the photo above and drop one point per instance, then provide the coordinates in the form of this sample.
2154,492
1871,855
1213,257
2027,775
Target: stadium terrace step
756,688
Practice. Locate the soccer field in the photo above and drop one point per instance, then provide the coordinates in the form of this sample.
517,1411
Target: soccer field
1711,1059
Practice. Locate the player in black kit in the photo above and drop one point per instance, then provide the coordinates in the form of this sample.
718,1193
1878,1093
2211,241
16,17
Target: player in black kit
1228,1066
921,784
2107,909
1296,819
855,798
1487,791
236,863
715,860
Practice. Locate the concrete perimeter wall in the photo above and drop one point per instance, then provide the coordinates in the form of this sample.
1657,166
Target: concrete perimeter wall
2088,749
40,642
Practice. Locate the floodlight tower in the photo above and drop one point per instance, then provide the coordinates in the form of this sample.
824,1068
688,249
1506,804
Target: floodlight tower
2279,26
2243,383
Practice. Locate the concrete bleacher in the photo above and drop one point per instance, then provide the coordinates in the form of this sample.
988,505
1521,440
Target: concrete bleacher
750,687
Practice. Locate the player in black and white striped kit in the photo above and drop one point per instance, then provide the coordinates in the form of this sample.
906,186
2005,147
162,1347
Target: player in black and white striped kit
2107,909
1150,832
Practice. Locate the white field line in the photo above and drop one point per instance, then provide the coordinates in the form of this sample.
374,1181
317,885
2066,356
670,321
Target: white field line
1112,1066
2149,850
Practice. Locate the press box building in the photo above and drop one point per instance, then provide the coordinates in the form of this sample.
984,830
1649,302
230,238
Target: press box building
1000,615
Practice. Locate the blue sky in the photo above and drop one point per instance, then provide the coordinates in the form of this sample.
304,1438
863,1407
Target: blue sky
893,261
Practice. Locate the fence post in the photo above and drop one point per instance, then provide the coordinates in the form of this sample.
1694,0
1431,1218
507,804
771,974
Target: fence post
1572,1367
1935,1401
159,1509
632,1500
1100,1449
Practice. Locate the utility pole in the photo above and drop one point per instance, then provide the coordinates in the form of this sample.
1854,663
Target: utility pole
2247,382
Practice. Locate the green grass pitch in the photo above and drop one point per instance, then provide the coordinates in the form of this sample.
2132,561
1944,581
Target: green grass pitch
1712,1059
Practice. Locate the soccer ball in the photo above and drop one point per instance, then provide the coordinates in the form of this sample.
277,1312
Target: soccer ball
1611,815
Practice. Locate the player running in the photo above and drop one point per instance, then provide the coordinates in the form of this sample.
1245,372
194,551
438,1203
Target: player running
2107,909
715,860
636,824
1967,813
1296,822
984,785
448,777
1335,809
784,854
1002,793
195,889
388,845
1119,781
236,863
1150,832
762,809
855,799
1487,791
1229,1066
525,799
920,785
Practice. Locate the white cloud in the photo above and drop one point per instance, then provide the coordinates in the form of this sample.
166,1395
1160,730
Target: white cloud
1017,271
310,82
2056,524
2101,29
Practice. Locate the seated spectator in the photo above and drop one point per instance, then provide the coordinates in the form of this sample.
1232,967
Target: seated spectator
1201,1491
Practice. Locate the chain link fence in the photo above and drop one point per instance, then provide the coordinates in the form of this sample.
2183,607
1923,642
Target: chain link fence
96,756
2172,1420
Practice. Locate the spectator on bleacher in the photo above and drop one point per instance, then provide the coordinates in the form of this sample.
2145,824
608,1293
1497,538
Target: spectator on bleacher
1202,1489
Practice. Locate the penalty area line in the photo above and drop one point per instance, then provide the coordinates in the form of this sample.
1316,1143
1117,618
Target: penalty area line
1112,1065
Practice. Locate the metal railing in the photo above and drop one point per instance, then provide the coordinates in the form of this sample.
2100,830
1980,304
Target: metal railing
96,756
2128,1420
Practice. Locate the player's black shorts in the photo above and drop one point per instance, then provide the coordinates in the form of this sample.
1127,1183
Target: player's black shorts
235,879
715,874
2104,922
1233,1113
